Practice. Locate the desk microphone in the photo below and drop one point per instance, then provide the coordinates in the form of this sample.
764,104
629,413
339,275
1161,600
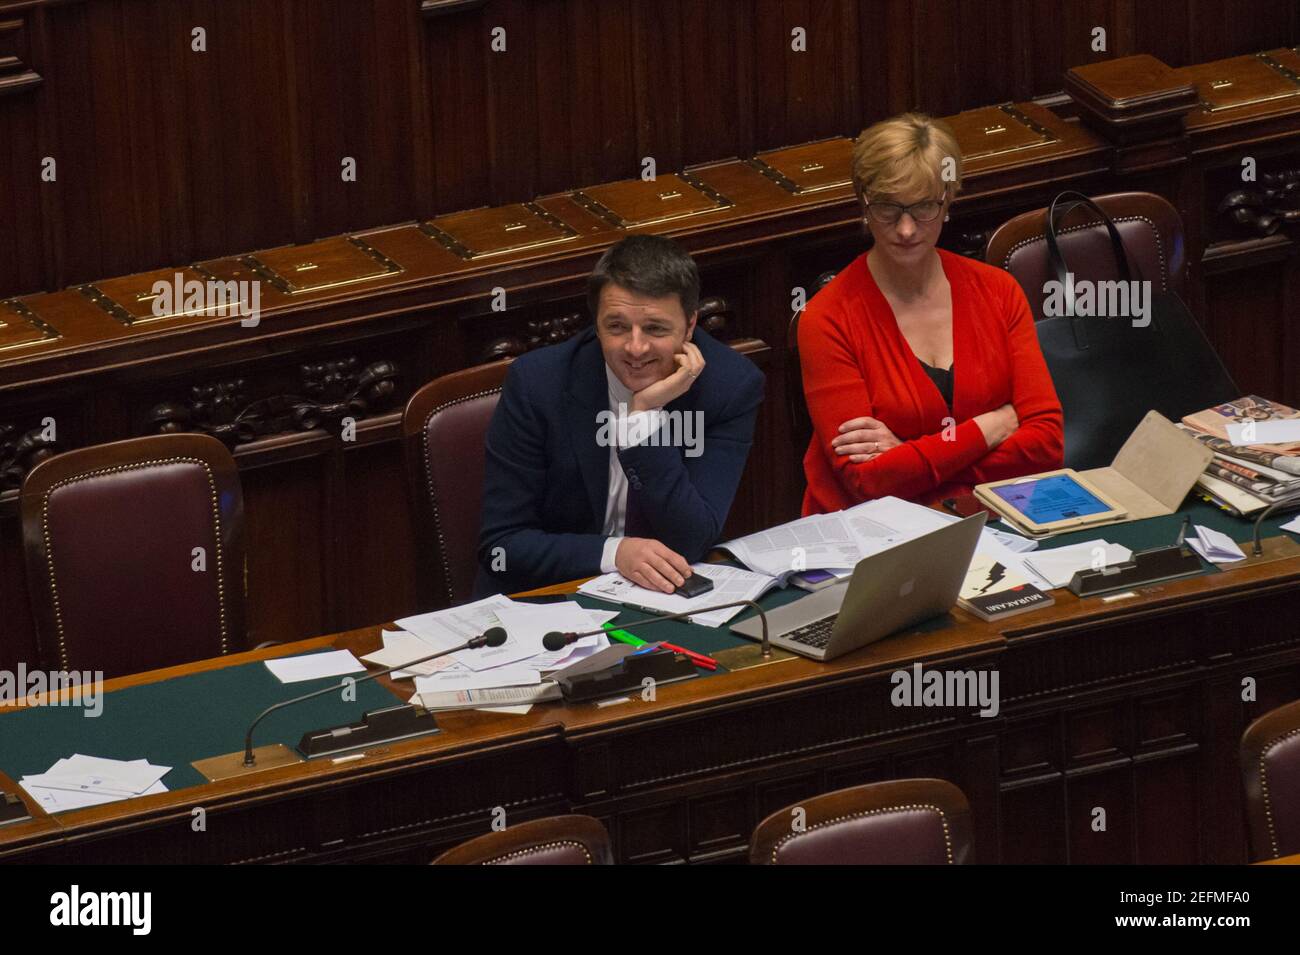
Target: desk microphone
493,637
555,640
1263,515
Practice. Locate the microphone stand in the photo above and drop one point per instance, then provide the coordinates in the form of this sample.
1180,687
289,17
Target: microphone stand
493,637
1293,498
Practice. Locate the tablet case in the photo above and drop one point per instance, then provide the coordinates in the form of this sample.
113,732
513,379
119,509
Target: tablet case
1151,475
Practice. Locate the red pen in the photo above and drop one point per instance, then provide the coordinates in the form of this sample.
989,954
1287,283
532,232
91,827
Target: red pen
699,659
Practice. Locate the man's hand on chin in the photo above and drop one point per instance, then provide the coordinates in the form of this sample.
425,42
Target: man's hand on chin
689,365
650,564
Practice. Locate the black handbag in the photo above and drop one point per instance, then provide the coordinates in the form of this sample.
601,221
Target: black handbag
1110,372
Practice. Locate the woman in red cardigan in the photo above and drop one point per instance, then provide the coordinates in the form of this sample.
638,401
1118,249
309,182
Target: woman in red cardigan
921,368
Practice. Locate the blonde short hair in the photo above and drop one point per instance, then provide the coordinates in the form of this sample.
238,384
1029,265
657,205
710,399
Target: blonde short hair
905,156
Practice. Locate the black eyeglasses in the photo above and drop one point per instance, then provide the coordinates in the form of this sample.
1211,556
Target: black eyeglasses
888,213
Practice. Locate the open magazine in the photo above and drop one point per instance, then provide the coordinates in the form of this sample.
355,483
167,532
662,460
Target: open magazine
1249,409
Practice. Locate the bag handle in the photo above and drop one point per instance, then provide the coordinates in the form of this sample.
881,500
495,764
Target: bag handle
1057,260
1054,254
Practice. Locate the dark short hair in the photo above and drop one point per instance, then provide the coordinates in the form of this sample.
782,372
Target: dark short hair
648,265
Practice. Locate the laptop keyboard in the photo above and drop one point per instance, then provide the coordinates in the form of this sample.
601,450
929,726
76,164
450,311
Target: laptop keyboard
816,634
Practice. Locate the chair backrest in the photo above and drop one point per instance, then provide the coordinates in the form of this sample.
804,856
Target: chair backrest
1151,228
556,840
901,822
444,429
112,537
1270,764
800,421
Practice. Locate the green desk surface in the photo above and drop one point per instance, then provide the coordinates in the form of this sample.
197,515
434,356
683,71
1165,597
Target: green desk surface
174,722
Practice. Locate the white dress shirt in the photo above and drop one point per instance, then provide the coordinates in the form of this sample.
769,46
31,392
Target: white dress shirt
637,426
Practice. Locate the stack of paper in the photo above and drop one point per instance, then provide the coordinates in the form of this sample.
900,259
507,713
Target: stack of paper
729,584
819,542
511,677
1058,564
1256,444
834,541
79,781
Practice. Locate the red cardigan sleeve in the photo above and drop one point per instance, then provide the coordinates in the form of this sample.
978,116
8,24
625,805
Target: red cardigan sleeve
836,391
1038,444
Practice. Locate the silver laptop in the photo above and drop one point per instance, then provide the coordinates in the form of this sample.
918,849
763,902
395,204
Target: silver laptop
896,588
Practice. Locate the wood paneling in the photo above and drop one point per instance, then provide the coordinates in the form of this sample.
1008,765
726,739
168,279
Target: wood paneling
168,155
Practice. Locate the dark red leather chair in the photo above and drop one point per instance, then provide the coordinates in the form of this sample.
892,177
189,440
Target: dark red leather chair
1270,763
901,822
109,534
556,840
444,428
1151,228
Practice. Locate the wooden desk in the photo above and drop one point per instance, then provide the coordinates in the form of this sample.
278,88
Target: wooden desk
1133,707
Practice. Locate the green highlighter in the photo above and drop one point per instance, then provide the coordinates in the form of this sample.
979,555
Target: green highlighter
623,636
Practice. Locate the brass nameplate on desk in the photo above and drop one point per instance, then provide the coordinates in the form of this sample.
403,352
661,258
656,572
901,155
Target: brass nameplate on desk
814,167
20,327
1280,547
216,768
329,263
483,232
136,299
1242,81
636,202
750,655
997,130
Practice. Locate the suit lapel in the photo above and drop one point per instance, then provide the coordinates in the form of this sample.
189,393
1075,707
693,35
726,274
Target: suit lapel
588,395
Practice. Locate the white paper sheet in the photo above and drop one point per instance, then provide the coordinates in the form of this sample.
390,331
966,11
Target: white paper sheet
1058,564
447,628
880,524
61,800
314,666
1281,431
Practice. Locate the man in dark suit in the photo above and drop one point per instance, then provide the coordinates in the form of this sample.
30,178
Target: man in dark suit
620,449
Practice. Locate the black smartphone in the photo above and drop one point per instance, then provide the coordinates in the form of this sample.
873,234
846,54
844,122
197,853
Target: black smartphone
694,585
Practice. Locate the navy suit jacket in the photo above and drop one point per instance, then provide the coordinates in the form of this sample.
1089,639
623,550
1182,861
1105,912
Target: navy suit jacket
546,478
